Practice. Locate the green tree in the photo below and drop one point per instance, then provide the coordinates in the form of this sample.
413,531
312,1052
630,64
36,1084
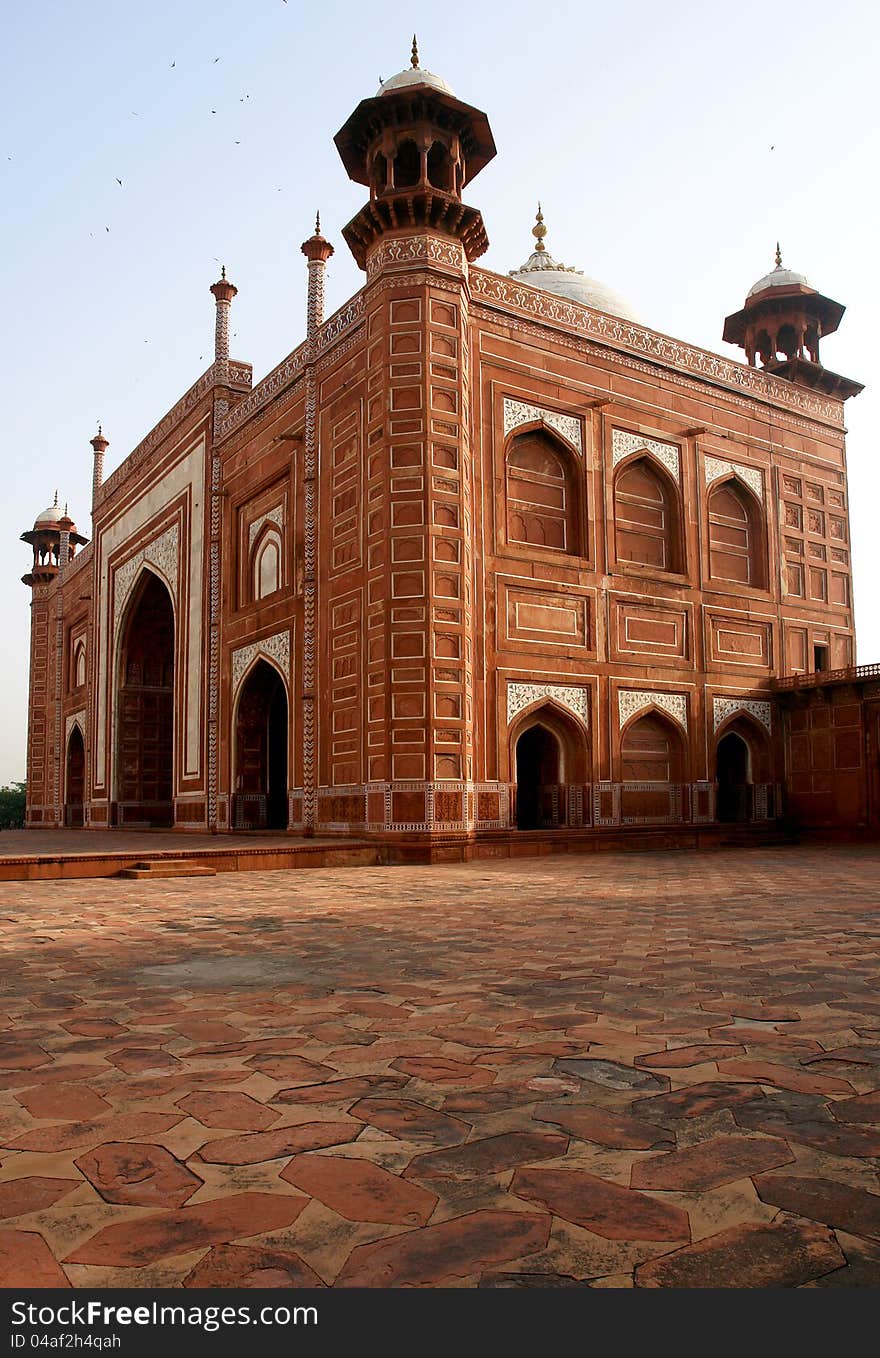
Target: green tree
12,806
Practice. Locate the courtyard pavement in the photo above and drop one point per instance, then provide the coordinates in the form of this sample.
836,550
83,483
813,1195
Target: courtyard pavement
659,1070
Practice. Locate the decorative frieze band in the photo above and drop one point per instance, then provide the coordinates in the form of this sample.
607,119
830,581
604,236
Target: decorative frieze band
276,648
722,708
517,413
411,249
520,696
623,442
503,292
714,468
162,553
275,515
630,701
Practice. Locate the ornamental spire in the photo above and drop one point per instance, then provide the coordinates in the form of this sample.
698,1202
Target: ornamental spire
539,230
414,58
778,256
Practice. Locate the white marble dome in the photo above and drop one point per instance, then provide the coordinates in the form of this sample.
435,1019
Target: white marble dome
779,277
48,517
542,271
412,77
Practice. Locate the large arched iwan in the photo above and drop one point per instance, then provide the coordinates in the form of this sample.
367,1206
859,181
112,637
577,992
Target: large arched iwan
145,707
261,747
74,778
652,766
548,755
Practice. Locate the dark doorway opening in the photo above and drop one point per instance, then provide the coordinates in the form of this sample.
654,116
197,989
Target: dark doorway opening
537,779
145,752
261,752
732,776
75,779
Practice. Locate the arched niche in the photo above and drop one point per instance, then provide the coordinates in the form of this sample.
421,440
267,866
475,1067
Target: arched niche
737,550
145,705
260,749
647,515
441,168
266,562
548,753
79,664
407,165
74,777
542,493
653,762
743,761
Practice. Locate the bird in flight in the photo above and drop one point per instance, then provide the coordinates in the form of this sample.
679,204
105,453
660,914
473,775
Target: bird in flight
119,182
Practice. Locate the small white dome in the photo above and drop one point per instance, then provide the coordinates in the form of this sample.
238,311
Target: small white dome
778,278
49,516
412,77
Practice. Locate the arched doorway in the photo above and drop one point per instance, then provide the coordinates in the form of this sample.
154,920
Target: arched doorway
537,779
652,760
145,708
732,775
75,779
261,751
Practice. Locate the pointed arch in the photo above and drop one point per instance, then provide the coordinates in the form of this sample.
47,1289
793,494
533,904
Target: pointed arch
543,491
74,776
548,751
653,763
79,663
266,567
647,514
737,534
144,707
743,763
260,747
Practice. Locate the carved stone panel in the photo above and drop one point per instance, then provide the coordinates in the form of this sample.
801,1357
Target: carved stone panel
722,708
521,696
276,648
162,553
518,413
630,701
715,467
623,442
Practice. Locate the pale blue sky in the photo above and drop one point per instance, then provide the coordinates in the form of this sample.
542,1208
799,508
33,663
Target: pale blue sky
646,131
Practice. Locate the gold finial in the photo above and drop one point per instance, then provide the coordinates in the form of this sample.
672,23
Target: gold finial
55,505
317,223
539,230
65,509
415,53
100,430
222,270
778,256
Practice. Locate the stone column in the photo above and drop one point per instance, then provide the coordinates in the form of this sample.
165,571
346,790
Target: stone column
223,291
100,445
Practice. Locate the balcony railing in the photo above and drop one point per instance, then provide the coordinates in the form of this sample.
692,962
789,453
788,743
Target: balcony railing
850,675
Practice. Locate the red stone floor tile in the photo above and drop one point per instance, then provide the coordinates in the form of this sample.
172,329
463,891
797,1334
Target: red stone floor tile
72,1135
679,1057
138,1174
605,1208
437,1255
864,1108
618,1130
218,1108
360,1190
69,1101
837,1204
410,1121
336,1091
26,1261
775,1254
768,1073
251,1266
32,1194
254,1147
708,1164
488,1155
440,1070
141,1241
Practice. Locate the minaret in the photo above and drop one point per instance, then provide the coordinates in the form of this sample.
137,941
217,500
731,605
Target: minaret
416,146
100,445
317,251
780,325
223,291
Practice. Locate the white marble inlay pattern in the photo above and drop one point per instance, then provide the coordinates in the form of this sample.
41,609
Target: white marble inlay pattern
722,708
75,719
275,648
161,553
630,701
714,467
623,442
517,413
520,696
275,515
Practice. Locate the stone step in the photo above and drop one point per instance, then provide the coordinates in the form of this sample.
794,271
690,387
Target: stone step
167,867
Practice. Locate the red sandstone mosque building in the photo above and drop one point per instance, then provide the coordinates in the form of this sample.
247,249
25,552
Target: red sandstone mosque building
483,563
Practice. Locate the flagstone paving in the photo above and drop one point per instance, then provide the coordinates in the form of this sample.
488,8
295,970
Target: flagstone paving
649,1070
